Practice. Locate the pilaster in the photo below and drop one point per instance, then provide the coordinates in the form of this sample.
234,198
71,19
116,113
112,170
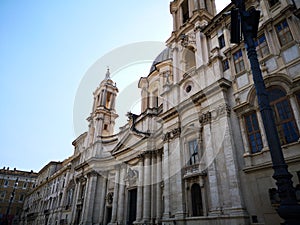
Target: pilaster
139,208
158,187
166,179
121,197
153,186
90,198
102,199
147,189
115,198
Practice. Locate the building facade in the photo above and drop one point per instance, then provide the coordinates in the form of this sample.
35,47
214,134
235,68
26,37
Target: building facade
197,153
14,185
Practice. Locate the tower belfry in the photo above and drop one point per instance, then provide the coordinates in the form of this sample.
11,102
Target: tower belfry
103,116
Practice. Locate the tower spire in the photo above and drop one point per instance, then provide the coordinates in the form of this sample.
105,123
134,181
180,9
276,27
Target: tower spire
107,75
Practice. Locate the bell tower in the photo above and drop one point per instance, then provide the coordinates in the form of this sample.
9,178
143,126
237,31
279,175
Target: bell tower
103,116
187,42
186,12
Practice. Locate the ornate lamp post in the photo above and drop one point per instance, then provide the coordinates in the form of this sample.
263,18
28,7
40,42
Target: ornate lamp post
289,209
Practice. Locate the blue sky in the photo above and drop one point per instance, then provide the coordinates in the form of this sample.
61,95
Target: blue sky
46,48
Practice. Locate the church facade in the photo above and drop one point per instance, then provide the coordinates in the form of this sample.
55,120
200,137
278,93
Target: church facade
197,153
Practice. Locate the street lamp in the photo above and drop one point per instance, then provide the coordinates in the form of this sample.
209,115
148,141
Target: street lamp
288,209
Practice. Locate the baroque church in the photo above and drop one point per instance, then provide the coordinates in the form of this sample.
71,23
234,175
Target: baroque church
197,153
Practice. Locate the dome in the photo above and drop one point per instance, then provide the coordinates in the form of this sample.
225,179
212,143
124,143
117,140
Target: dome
163,56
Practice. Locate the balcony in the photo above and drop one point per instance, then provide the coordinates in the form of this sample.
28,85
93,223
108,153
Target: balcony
193,170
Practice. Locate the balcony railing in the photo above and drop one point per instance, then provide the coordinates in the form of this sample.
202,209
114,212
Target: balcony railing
194,170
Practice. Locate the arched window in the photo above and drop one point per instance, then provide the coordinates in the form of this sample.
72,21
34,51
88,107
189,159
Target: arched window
197,209
284,117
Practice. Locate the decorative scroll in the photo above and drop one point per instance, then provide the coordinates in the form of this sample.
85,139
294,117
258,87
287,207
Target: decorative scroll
175,133
205,118
109,198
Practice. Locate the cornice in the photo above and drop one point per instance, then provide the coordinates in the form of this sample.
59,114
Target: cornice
168,115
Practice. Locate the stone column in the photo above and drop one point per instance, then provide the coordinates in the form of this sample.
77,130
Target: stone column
191,8
262,130
296,111
83,196
75,199
139,208
236,199
166,177
158,187
102,199
98,124
90,198
196,4
153,187
147,189
121,197
199,55
174,20
115,198
226,33
103,98
178,177
212,171
203,195
176,72
244,136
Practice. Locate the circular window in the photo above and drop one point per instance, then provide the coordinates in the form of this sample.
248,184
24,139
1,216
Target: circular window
188,88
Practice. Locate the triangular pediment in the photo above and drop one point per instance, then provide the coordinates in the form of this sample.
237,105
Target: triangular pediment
130,141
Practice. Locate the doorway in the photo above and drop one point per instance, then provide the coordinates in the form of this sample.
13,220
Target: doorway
108,215
132,194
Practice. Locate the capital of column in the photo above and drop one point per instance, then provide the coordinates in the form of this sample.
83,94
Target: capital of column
92,173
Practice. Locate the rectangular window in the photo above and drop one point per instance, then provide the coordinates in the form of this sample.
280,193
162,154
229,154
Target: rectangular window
253,132
238,61
25,185
2,195
21,199
193,150
221,41
284,117
273,2
285,122
262,47
225,65
283,33
6,183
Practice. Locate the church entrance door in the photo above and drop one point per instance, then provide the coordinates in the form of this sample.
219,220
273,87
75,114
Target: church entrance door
132,205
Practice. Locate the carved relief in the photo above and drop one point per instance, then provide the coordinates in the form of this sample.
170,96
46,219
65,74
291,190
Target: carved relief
188,40
132,176
205,118
175,133
109,198
221,110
